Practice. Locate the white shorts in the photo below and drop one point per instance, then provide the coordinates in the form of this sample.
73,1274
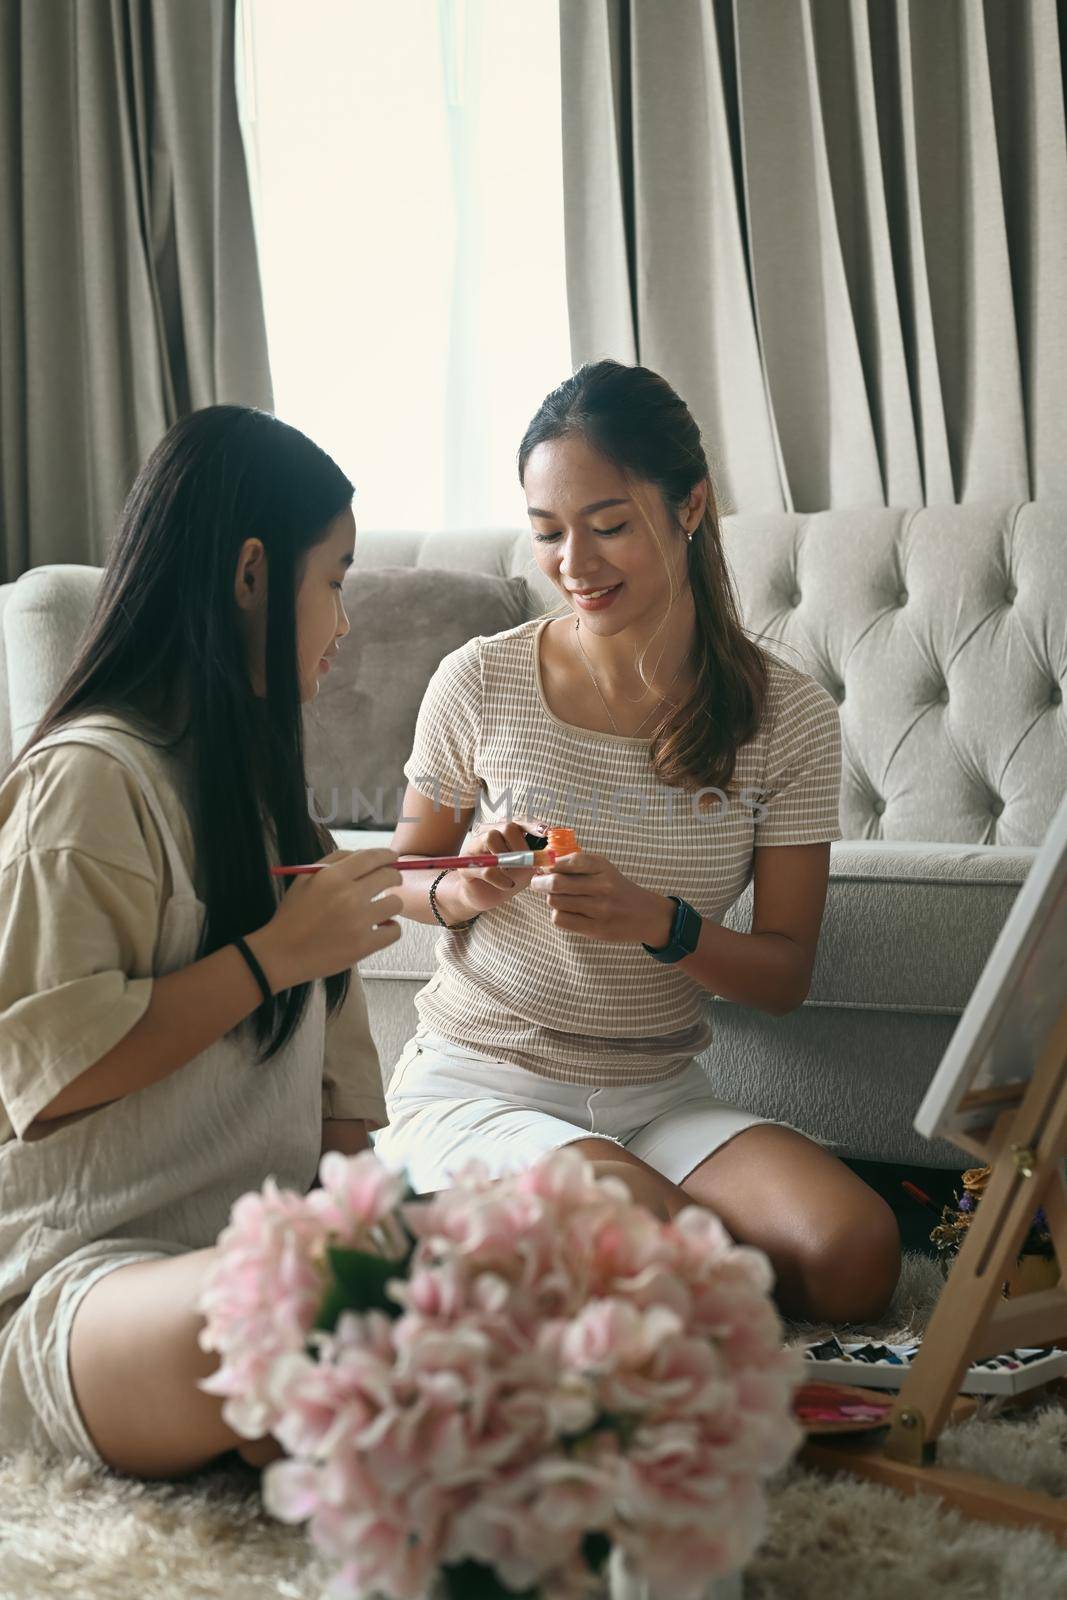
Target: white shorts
449,1105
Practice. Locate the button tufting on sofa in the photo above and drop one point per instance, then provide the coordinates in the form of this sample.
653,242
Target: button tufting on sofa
1010,592
1002,660
1055,695
996,807
943,695
794,598
879,807
902,598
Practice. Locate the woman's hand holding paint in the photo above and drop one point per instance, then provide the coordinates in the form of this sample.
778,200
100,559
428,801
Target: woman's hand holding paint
587,895
331,920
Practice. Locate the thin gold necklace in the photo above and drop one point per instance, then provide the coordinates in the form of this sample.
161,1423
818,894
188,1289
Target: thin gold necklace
600,692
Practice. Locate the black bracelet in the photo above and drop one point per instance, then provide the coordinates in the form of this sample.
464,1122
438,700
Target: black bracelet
451,926
255,969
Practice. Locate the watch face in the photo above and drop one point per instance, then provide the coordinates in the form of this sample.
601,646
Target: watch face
685,933
688,934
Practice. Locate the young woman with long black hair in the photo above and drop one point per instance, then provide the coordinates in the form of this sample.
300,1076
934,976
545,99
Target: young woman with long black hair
166,1039
568,1006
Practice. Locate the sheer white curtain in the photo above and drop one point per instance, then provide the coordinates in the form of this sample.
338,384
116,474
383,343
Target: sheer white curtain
406,167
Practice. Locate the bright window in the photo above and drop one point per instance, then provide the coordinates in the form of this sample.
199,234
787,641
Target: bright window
407,183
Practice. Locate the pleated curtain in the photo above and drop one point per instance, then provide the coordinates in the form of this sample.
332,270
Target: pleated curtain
129,289
839,228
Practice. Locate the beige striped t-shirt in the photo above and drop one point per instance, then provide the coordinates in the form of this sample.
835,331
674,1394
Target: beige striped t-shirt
594,1011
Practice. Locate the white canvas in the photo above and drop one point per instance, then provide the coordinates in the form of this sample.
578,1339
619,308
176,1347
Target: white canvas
1016,1001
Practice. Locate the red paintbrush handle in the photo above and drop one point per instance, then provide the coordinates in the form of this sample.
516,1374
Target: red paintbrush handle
517,858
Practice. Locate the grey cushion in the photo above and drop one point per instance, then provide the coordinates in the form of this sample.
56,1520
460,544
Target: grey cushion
853,1079
47,612
6,591
907,927
360,728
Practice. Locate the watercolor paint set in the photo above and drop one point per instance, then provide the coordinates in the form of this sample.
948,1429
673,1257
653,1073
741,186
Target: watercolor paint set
885,1366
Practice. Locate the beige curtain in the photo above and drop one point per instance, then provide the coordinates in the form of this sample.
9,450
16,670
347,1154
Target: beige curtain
839,227
129,291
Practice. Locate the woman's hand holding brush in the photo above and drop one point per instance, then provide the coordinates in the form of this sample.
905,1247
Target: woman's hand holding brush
470,890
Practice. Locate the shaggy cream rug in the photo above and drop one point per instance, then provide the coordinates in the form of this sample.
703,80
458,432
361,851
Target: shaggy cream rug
75,1533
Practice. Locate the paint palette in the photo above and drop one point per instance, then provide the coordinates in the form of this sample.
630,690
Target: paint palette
885,1366
839,1408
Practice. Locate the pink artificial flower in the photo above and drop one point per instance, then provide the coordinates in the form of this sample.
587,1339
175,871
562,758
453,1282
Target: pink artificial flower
358,1192
260,1300
565,1179
576,1494
343,1394
611,1335
682,1377
393,1553
439,1292
500,1527
562,1362
291,1490
677,1563
622,1242
702,1241
670,1476
492,1228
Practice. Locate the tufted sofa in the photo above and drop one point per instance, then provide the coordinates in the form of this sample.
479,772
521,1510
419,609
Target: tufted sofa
942,634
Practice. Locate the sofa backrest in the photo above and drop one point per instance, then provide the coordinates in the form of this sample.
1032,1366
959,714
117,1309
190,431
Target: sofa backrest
941,633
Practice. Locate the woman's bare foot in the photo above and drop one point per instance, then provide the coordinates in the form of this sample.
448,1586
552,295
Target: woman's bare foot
261,1452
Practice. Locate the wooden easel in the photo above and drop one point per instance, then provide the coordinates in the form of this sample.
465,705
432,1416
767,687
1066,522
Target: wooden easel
1026,1147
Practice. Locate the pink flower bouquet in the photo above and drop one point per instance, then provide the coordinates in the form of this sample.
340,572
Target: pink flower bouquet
483,1391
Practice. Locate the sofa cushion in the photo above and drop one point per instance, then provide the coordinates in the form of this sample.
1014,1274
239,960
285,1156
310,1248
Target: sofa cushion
360,728
6,591
907,927
47,612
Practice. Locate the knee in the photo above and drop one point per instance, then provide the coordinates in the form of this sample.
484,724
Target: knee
850,1272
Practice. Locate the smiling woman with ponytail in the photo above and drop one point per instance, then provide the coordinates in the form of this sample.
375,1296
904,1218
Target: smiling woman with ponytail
633,418
569,1006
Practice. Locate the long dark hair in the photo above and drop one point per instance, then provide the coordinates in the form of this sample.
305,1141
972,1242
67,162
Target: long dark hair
634,419
165,648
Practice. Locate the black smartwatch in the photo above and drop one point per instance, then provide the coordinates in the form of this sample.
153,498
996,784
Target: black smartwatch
685,931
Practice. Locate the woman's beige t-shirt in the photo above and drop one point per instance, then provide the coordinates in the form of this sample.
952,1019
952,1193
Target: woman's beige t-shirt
83,882
601,1012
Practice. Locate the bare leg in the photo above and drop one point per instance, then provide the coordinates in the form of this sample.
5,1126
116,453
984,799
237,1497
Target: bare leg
833,1242
135,1363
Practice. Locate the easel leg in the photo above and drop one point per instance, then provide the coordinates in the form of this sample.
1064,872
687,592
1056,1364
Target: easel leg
1026,1149
963,1310
1055,1203
975,1496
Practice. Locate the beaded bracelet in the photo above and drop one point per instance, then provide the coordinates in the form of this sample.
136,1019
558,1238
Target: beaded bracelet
451,926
